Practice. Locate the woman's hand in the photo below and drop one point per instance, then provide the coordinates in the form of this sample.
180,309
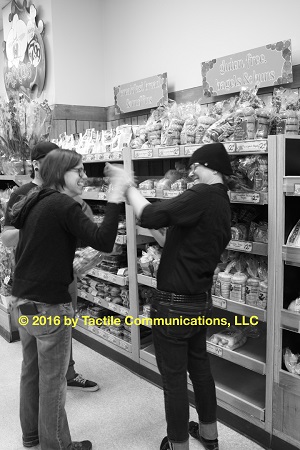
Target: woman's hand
120,181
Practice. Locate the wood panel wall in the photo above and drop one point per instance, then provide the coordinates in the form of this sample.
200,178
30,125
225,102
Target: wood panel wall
76,119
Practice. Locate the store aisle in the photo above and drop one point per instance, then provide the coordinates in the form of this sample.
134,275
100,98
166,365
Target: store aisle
127,413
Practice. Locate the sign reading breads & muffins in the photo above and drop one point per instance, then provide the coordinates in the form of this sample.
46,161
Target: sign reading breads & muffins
142,94
262,66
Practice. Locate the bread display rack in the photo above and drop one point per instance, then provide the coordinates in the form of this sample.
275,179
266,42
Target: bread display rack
250,383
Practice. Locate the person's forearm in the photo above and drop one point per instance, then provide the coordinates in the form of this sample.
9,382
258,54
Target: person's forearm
136,200
10,237
159,237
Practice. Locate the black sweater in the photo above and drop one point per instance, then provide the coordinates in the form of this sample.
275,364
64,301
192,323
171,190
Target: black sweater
199,230
50,225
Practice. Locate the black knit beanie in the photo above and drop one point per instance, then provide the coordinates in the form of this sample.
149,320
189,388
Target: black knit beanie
214,156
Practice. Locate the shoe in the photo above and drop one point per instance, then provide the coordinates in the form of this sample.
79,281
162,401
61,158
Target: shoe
165,444
81,384
83,445
194,432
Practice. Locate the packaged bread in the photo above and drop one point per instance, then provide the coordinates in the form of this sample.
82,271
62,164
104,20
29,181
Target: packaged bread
295,305
294,236
263,117
230,338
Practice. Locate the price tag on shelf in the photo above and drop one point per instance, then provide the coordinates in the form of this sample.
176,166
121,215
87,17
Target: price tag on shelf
168,151
124,311
97,300
240,246
102,196
230,146
139,154
124,345
169,193
219,302
260,145
84,295
88,158
102,334
117,156
245,197
148,192
153,283
189,149
121,239
296,189
112,307
212,348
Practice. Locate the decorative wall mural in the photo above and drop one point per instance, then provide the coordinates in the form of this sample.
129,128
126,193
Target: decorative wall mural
24,52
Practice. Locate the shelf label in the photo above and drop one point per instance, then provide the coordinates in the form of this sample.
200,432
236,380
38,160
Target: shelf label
148,192
121,239
102,196
97,300
116,155
112,307
212,348
143,153
124,345
102,334
154,283
219,302
240,245
168,151
123,311
230,146
296,189
245,197
170,193
252,146
189,149
83,294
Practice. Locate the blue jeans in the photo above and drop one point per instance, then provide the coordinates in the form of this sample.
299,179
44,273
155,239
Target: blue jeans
46,354
180,349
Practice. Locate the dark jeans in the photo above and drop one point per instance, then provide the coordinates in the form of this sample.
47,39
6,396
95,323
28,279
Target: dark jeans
46,353
180,349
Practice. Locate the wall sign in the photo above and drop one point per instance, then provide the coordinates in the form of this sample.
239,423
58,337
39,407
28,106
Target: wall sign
142,94
263,66
24,52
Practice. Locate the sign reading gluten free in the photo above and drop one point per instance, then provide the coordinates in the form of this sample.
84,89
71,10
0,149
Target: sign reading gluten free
142,94
263,66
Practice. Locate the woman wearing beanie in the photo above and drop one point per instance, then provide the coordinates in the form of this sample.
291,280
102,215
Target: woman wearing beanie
198,224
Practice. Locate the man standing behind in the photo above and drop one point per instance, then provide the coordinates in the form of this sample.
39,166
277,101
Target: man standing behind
10,238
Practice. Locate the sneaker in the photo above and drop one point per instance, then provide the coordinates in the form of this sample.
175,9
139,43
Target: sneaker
208,445
81,384
165,445
83,445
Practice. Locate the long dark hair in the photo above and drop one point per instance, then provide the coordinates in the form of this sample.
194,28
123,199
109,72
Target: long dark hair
55,165
52,171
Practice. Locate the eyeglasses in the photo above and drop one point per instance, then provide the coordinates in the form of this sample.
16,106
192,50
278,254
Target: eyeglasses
80,171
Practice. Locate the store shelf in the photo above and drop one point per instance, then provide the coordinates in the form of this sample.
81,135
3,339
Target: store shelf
111,277
105,338
253,198
256,248
289,381
252,355
94,195
231,381
102,157
238,387
147,281
291,186
119,309
290,320
18,179
239,308
291,255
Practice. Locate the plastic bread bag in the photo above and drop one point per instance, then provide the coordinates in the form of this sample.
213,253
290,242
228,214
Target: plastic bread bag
85,259
230,338
295,305
291,361
294,236
261,233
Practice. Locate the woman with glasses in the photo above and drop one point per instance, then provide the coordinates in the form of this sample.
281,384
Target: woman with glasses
50,223
198,224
